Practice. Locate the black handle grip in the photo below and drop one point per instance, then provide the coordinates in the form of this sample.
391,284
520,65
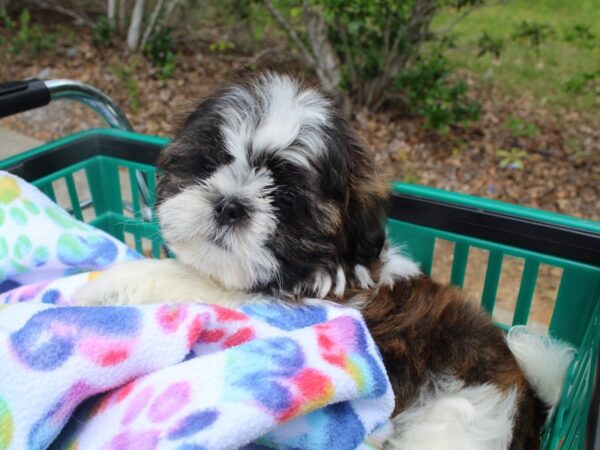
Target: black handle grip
20,96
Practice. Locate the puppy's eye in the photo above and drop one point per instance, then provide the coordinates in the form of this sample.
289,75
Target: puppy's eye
287,198
208,166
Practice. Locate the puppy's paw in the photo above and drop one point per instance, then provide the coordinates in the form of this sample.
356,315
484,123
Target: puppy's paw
98,292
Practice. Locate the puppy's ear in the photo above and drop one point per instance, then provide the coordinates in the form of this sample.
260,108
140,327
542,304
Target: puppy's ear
196,151
365,196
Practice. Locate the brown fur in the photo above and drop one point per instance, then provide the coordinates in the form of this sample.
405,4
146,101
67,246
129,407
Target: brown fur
424,328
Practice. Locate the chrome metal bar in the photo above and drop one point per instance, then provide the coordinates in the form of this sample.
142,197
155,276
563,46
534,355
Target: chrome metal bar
106,108
91,97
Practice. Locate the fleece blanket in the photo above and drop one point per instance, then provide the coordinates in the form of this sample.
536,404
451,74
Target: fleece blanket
168,376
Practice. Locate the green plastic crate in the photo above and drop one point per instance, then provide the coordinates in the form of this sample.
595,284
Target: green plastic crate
107,163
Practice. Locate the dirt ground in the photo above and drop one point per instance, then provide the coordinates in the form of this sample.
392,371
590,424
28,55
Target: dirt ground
561,168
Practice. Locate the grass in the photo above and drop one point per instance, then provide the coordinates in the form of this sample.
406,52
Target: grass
558,73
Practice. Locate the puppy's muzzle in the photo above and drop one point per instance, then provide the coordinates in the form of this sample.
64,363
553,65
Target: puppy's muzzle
230,212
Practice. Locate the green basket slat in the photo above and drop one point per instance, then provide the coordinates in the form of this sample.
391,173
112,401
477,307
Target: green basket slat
61,174
135,197
135,193
551,437
112,186
526,291
104,222
492,279
93,173
73,197
459,264
155,248
48,189
105,188
574,303
403,236
581,383
417,241
152,189
571,421
575,424
125,136
156,239
138,243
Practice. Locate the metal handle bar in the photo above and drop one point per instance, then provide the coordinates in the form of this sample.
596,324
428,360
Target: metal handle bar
96,100
21,96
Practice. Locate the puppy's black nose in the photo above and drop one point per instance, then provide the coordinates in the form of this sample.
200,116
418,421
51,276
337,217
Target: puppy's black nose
230,211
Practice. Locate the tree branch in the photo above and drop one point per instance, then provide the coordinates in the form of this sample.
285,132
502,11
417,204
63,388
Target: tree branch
79,19
111,11
151,23
347,51
306,53
170,9
254,60
122,19
388,33
135,26
415,31
327,61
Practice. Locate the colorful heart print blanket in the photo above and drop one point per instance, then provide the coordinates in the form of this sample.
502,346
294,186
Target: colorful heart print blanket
168,376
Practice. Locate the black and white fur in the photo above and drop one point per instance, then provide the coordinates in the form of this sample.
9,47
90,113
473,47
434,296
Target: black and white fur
266,190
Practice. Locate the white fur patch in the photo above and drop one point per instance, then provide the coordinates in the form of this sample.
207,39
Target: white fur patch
276,115
340,282
322,284
241,260
240,113
380,435
363,277
357,302
156,281
455,417
239,181
544,360
396,266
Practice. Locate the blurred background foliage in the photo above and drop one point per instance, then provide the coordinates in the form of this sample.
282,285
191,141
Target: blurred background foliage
367,53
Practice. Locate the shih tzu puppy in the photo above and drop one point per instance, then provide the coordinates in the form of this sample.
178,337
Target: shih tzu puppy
266,190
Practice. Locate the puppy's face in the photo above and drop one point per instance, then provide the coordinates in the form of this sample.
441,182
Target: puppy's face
266,189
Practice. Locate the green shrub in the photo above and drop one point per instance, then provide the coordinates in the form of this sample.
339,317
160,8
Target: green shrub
521,128
579,33
221,46
6,21
167,66
582,82
532,34
490,44
432,93
31,37
103,33
512,159
126,75
362,49
160,51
